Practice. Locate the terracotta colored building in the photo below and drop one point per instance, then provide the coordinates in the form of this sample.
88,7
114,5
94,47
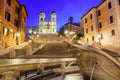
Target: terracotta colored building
102,24
12,22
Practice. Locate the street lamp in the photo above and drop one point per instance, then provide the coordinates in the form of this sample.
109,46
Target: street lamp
35,32
66,32
30,31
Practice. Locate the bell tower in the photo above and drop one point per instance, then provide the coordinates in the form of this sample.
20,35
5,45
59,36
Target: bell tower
41,17
47,26
53,22
53,16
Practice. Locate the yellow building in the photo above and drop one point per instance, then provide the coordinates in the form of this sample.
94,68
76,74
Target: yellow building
12,22
102,24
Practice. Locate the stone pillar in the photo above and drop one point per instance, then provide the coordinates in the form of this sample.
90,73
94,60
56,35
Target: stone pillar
29,51
8,76
12,53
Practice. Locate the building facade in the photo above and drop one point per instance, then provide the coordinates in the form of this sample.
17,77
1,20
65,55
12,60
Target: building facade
73,29
47,27
12,22
102,24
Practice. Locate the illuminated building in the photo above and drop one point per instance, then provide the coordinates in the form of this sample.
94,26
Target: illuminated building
101,24
73,29
47,27
12,22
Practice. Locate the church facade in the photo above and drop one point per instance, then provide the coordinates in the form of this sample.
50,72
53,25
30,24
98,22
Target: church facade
47,27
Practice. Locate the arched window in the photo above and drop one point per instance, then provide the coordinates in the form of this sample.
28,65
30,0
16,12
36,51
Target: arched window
41,19
53,19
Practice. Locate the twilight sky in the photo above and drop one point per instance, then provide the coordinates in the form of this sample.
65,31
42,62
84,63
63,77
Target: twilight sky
63,8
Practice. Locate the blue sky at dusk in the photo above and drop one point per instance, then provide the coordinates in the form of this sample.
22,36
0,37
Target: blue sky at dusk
63,8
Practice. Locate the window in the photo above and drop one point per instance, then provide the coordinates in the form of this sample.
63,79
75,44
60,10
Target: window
109,5
99,12
100,24
86,30
53,19
17,10
93,38
5,31
91,16
113,32
111,19
85,20
101,36
8,2
7,16
92,28
87,40
41,19
16,23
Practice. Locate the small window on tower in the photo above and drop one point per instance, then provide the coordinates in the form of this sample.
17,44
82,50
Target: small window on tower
53,19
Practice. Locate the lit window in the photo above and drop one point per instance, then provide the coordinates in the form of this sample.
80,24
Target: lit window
4,31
